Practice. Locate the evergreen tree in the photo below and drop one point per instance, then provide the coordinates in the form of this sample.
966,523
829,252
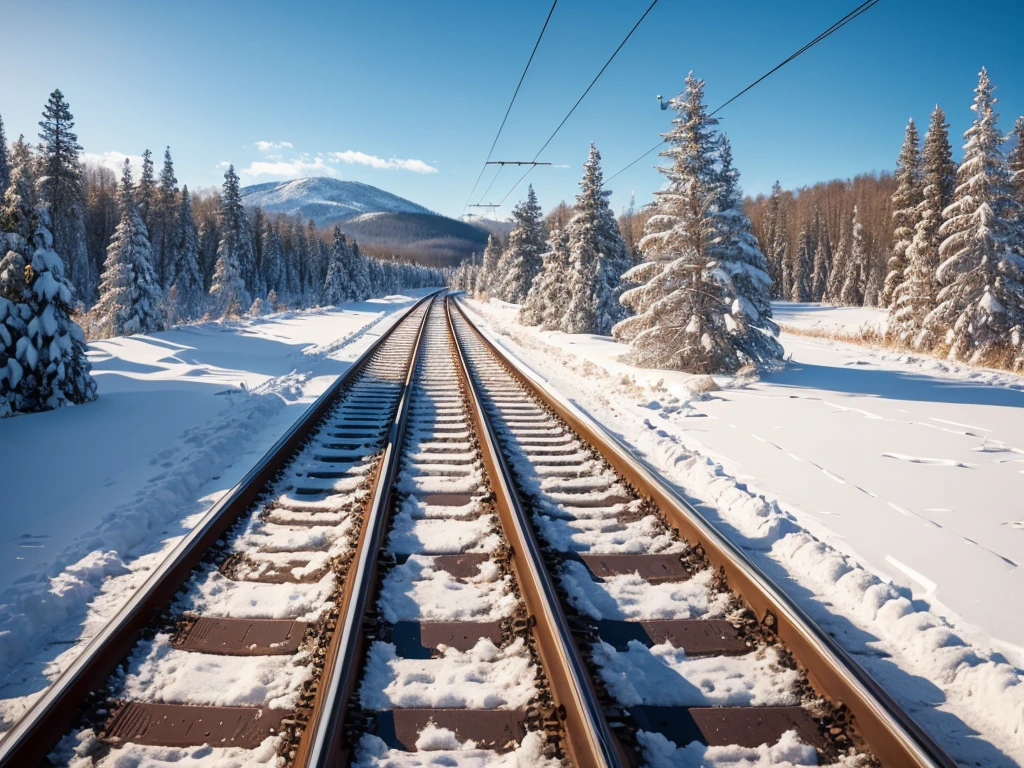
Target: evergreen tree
598,256
229,290
336,285
776,227
545,304
684,298
522,258
130,295
840,262
489,276
905,201
915,297
146,193
273,259
164,232
1016,160
737,250
21,192
822,258
852,292
62,194
803,267
5,163
980,315
362,288
188,298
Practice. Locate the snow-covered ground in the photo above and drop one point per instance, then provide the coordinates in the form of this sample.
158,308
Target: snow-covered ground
105,489
883,491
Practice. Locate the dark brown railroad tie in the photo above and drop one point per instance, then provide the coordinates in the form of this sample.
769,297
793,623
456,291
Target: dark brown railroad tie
445,499
464,566
180,725
242,568
243,637
725,726
498,729
418,640
698,637
652,568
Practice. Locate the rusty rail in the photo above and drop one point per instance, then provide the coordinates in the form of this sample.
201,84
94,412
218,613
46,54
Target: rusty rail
34,735
889,732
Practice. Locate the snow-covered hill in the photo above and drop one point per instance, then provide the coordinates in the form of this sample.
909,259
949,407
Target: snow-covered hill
325,200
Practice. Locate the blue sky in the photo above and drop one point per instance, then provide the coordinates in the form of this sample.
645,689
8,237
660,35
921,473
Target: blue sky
408,95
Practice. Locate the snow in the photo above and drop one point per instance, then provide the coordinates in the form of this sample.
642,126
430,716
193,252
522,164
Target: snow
880,490
659,752
416,591
77,753
182,416
823,317
440,747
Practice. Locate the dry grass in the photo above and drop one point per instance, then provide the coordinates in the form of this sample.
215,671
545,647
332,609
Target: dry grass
1006,359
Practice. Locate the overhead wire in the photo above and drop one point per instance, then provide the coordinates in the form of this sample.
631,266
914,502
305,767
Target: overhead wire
507,111
862,8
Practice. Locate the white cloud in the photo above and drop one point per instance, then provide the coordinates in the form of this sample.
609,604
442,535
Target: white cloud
361,158
301,166
266,146
114,161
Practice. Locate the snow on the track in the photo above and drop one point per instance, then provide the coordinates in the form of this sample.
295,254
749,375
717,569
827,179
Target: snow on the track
440,747
486,677
881,490
182,415
78,753
416,591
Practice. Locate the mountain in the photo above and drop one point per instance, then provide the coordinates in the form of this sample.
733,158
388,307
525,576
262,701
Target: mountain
382,223
326,201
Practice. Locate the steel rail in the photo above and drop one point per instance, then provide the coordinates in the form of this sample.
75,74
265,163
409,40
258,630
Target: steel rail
889,732
324,748
590,739
34,735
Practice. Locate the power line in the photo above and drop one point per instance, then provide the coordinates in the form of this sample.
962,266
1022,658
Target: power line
507,111
862,8
580,99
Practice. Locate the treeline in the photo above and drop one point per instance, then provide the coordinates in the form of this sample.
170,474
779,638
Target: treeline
691,293
126,257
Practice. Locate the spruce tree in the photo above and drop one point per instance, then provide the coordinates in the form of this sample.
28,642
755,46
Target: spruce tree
1016,160
187,297
229,290
837,275
21,191
905,202
163,234
980,315
822,259
5,163
146,193
803,267
851,294
598,256
489,277
62,194
684,298
522,259
130,295
336,285
915,297
776,241
738,251
545,305
273,258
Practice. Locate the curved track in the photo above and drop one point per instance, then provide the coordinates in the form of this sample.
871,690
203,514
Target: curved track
445,557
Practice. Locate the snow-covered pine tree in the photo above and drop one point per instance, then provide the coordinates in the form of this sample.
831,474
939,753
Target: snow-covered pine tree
1016,159
822,258
776,227
598,257
837,276
189,299
273,259
42,355
905,201
362,287
522,258
145,192
489,276
163,235
62,194
549,296
803,267
5,163
21,191
130,296
229,290
851,293
736,248
336,285
915,297
980,315
684,297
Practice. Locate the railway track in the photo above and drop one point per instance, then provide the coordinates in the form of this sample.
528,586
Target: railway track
444,557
